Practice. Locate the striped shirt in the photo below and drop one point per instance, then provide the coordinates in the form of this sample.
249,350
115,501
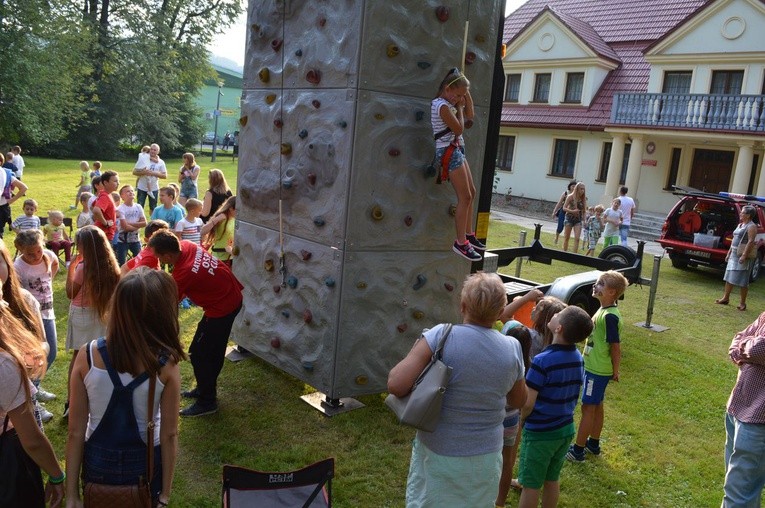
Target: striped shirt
191,231
556,374
747,400
24,222
438,123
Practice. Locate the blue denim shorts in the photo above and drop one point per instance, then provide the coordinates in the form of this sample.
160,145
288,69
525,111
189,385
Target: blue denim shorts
457,159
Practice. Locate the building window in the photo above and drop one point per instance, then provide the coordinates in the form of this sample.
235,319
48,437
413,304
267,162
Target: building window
574,86
727,82
505,150
513,88
674,168
677,82
542,87
564,158
606,158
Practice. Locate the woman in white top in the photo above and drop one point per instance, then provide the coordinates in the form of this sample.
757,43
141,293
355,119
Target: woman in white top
25,449
133,350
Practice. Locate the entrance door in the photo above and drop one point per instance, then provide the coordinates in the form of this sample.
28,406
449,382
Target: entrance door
711,170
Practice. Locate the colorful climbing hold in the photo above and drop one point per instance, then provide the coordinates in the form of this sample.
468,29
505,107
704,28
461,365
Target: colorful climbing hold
342,124
430,171
306,255
480,38
452,210
418,314
361,380
421,280
270,98
302,134
286,313
329,282
392,50
402,327
311,177
269,265
408,220
276,343
469,58
276,44
469,123
316,104
442,13
308,365
377,213
321,22
286,148
419,115
243,121
264,75
313,76
292,281
361,285
448,287
379,116
277,288
394,152
423,65
278,123
298,53
319,221
307,316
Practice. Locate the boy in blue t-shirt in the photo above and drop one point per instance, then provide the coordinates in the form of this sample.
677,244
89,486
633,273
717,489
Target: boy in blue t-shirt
602,356
553,382
167,212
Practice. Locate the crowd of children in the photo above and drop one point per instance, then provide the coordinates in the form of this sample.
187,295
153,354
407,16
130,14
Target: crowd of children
108,242
556,374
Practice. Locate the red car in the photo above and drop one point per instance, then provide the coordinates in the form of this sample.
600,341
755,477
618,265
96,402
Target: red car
699,228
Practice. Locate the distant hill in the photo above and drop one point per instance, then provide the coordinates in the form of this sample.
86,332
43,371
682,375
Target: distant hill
227,63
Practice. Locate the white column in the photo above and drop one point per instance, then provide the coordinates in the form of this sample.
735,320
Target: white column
761,172
633,166
743,168
614,168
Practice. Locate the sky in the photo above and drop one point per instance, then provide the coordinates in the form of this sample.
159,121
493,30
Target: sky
229,44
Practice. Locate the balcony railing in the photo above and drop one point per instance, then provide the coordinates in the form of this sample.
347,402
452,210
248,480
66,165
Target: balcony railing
745,113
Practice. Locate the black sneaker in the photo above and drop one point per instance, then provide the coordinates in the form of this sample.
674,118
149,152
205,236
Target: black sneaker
477,245
197,409
66,410
466,251
574,456
190,394
590,447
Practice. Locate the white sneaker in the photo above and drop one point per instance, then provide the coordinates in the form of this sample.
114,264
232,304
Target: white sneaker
45,415
44,396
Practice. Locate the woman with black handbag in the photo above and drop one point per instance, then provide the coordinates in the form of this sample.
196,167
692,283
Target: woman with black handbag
24,449
459,463
113,409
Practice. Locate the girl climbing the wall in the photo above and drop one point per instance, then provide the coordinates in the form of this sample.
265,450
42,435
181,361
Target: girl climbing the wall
448,113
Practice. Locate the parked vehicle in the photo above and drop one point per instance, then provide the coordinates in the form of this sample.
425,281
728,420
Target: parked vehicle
209,137
699,228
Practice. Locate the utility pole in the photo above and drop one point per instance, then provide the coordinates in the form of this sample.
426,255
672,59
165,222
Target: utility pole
216,114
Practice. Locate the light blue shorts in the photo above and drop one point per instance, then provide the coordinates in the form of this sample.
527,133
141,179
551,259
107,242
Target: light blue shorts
457,160
437,480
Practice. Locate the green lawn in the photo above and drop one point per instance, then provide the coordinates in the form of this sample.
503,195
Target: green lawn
663,438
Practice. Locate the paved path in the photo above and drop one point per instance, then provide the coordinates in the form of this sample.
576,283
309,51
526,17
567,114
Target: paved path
548,226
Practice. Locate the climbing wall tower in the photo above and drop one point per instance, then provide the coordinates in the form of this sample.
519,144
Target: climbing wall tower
343,238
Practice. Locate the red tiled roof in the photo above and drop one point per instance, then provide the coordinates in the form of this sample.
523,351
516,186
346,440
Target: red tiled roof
586,33
626,27
631,76
613,20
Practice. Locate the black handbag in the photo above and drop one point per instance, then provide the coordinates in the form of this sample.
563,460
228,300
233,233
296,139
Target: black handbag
21,483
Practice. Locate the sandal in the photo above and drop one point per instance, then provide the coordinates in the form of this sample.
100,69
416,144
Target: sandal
721,301
515,485
741,307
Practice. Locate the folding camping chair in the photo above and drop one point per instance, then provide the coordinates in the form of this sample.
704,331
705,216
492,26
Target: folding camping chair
310,487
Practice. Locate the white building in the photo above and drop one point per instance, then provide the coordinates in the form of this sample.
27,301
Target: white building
646,93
